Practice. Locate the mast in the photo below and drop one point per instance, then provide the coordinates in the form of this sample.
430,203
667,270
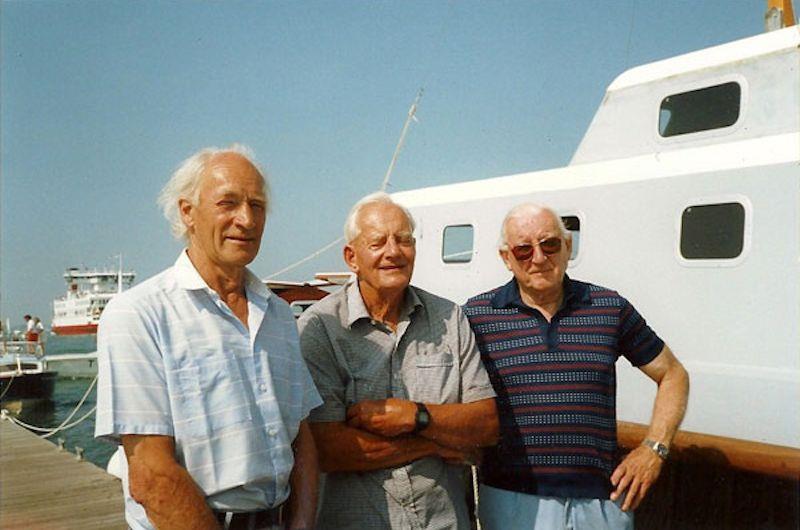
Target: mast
779,15
411,116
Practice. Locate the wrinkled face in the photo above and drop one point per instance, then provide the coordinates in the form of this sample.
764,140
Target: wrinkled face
541,273
226,224
382,256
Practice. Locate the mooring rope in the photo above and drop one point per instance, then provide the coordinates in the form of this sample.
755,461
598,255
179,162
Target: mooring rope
9,386
50,431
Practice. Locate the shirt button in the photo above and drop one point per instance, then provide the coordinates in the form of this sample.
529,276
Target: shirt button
262,387
273,431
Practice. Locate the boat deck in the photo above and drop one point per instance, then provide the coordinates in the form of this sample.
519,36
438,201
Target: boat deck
45,488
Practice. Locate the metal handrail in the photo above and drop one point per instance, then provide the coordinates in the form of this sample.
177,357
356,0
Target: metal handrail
22,347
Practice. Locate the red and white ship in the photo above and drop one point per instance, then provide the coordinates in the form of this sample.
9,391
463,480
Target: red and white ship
88,292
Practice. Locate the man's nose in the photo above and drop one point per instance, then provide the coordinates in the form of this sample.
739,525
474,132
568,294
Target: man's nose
392,248
245,217
538,254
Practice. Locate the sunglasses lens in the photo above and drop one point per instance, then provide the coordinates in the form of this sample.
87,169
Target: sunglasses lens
522,252
550,245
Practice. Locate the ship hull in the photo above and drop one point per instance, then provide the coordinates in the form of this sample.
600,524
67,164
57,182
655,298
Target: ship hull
77,329
28,386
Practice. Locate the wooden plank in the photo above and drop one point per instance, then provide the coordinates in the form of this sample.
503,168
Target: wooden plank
45,488
767,459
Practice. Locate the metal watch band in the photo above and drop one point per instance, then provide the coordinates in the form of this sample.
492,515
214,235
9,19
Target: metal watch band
658,448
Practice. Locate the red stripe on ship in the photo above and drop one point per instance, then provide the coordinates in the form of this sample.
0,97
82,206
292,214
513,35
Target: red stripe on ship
83,329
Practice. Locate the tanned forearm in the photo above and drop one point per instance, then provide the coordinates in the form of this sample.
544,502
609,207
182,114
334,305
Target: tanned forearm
640,469
304,481
463,425
170,497
343,448
670,404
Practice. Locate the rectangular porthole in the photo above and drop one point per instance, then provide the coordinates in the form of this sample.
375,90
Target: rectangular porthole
458,244
698,110
712,231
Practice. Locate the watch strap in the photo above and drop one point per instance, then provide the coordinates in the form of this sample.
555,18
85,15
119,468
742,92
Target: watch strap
422,419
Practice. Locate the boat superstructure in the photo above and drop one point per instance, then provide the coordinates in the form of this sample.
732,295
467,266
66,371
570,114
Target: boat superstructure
23,371
88,292
684,195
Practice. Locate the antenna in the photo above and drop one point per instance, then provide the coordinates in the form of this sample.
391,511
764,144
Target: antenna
411,116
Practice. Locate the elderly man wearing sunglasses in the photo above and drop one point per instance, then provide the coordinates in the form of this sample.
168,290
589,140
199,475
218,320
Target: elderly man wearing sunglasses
550,344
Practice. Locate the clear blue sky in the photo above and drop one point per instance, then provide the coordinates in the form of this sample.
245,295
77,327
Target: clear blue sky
102,99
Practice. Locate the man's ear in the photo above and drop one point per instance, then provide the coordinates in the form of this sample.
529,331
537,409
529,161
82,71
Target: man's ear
187,209
349,255
505,257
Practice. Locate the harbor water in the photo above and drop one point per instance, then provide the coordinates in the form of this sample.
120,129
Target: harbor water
66,396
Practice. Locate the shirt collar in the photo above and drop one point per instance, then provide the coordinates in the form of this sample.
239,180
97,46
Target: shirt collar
575,293
188,278
357,309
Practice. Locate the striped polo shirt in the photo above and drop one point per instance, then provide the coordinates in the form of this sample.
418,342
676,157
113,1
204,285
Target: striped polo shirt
556,386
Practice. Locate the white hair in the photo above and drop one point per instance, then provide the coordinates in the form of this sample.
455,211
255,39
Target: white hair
525,210
185,183
351,228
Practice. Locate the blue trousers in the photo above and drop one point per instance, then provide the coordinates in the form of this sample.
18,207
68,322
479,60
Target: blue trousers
508,510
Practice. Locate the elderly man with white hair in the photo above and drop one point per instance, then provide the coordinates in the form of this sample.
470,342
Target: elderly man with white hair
550,344
407,401
200,373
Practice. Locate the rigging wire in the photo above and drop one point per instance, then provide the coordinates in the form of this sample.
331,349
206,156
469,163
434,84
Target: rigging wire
412,111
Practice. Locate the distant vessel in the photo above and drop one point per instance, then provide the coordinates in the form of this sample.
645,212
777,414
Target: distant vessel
88,292
23,372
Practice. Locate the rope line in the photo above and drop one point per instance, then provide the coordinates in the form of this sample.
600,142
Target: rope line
5,390
50,431
75,411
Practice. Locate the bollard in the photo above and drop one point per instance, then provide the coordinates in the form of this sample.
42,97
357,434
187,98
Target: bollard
78,453
61,443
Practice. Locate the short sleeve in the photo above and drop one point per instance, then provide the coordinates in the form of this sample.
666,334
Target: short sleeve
637,342
132,395
318,353
475,384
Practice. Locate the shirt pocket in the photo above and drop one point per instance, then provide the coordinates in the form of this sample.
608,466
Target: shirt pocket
435,374
213,398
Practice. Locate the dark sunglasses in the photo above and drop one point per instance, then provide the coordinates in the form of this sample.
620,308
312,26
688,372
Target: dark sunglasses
551,245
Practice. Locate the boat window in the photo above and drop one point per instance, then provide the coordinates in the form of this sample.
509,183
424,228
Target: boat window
573,224
712,231
457,244
700,110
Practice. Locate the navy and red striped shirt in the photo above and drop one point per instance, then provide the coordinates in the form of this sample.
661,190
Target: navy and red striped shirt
556,386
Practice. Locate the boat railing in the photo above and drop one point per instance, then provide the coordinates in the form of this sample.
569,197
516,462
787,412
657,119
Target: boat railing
22,347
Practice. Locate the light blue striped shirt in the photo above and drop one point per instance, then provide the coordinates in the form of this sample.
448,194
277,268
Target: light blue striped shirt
174,360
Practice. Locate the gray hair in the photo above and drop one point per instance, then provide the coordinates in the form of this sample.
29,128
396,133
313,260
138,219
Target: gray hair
185,183
351,228
529,209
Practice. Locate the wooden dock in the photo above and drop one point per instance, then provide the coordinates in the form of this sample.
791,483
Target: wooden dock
43,488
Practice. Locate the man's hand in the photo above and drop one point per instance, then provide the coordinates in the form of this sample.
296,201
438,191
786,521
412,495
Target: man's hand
636,473
385,417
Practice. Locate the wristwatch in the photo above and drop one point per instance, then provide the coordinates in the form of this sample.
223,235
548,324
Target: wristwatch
422,419
660,449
